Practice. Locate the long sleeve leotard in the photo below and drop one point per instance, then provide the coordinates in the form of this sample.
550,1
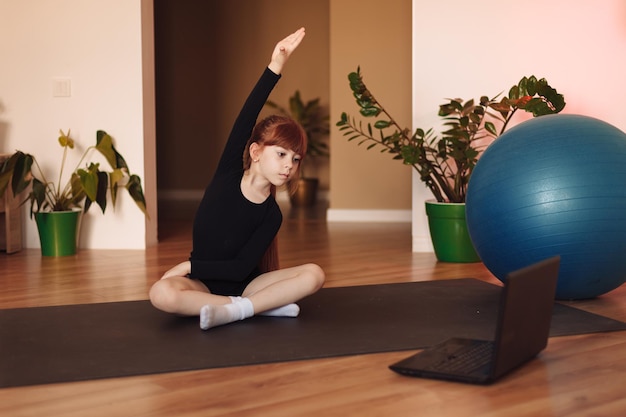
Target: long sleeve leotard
231,233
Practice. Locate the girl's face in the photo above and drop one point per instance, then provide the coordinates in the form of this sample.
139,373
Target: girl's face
278,164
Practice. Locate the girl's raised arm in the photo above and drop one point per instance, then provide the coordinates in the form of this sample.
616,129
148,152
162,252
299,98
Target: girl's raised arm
284,49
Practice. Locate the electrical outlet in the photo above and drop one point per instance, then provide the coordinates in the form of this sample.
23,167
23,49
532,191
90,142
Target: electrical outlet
61,87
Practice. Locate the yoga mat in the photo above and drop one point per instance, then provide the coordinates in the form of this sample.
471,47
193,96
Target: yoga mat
81,342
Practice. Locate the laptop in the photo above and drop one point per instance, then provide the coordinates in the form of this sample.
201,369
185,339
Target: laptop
522,330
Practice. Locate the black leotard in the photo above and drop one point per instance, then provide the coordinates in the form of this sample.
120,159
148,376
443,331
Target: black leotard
231,233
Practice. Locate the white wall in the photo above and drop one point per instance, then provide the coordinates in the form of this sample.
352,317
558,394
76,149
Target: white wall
467,49
97,44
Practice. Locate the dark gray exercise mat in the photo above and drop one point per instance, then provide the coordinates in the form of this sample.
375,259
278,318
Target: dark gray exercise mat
81,342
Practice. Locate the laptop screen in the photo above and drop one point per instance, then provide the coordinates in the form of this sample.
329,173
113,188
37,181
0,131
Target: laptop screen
525,314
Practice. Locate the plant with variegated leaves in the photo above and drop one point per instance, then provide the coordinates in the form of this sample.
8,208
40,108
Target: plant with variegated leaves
87,183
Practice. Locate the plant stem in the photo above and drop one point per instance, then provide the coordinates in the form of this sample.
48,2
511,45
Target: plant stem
508,119
58,191
438,173
69,182
43,177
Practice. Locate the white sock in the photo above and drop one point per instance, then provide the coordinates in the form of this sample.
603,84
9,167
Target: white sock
289,310
212,316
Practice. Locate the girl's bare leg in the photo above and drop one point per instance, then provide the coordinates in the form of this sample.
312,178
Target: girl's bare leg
266,292
184,296
278,288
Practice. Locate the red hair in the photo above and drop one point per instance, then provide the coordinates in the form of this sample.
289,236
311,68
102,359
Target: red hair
285,132
280,131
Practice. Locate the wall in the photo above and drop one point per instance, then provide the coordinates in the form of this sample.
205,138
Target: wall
111,89
209,55
197,49
578,46
367,185
467,49
100,46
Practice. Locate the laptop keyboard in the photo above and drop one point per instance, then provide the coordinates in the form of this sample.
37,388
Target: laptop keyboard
467,359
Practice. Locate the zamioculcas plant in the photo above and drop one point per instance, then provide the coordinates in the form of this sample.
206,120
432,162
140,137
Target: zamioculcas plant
445,161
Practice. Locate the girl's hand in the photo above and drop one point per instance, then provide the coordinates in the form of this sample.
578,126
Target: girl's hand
283,50
180,270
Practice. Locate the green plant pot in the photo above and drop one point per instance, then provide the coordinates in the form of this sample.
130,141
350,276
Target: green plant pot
58,232
448,232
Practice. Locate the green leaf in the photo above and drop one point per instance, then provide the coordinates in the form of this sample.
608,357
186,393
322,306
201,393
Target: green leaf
523,87
354,78
16,170
382,124
531,86
514,92
453,107
136,192
364,102
538,107
553,98
501,107
468,107
104,144
37,196
78,193
491,128
475,118
89,182
116,177
102,188
21,171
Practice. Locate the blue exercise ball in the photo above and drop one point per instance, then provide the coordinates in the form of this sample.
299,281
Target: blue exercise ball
553,185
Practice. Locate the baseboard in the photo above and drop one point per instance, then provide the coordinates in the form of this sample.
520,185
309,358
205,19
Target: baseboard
422,244
183,203
368,215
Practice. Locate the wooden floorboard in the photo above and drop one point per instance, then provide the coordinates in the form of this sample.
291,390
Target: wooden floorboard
575,376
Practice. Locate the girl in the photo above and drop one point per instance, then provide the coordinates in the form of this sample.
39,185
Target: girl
232,273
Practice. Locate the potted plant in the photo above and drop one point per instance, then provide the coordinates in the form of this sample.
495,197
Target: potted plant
445,161
315,122
56,207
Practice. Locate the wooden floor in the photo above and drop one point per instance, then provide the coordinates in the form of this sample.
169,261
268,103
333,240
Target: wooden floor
575,376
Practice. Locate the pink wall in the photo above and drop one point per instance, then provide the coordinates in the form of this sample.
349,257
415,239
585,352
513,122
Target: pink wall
467,49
